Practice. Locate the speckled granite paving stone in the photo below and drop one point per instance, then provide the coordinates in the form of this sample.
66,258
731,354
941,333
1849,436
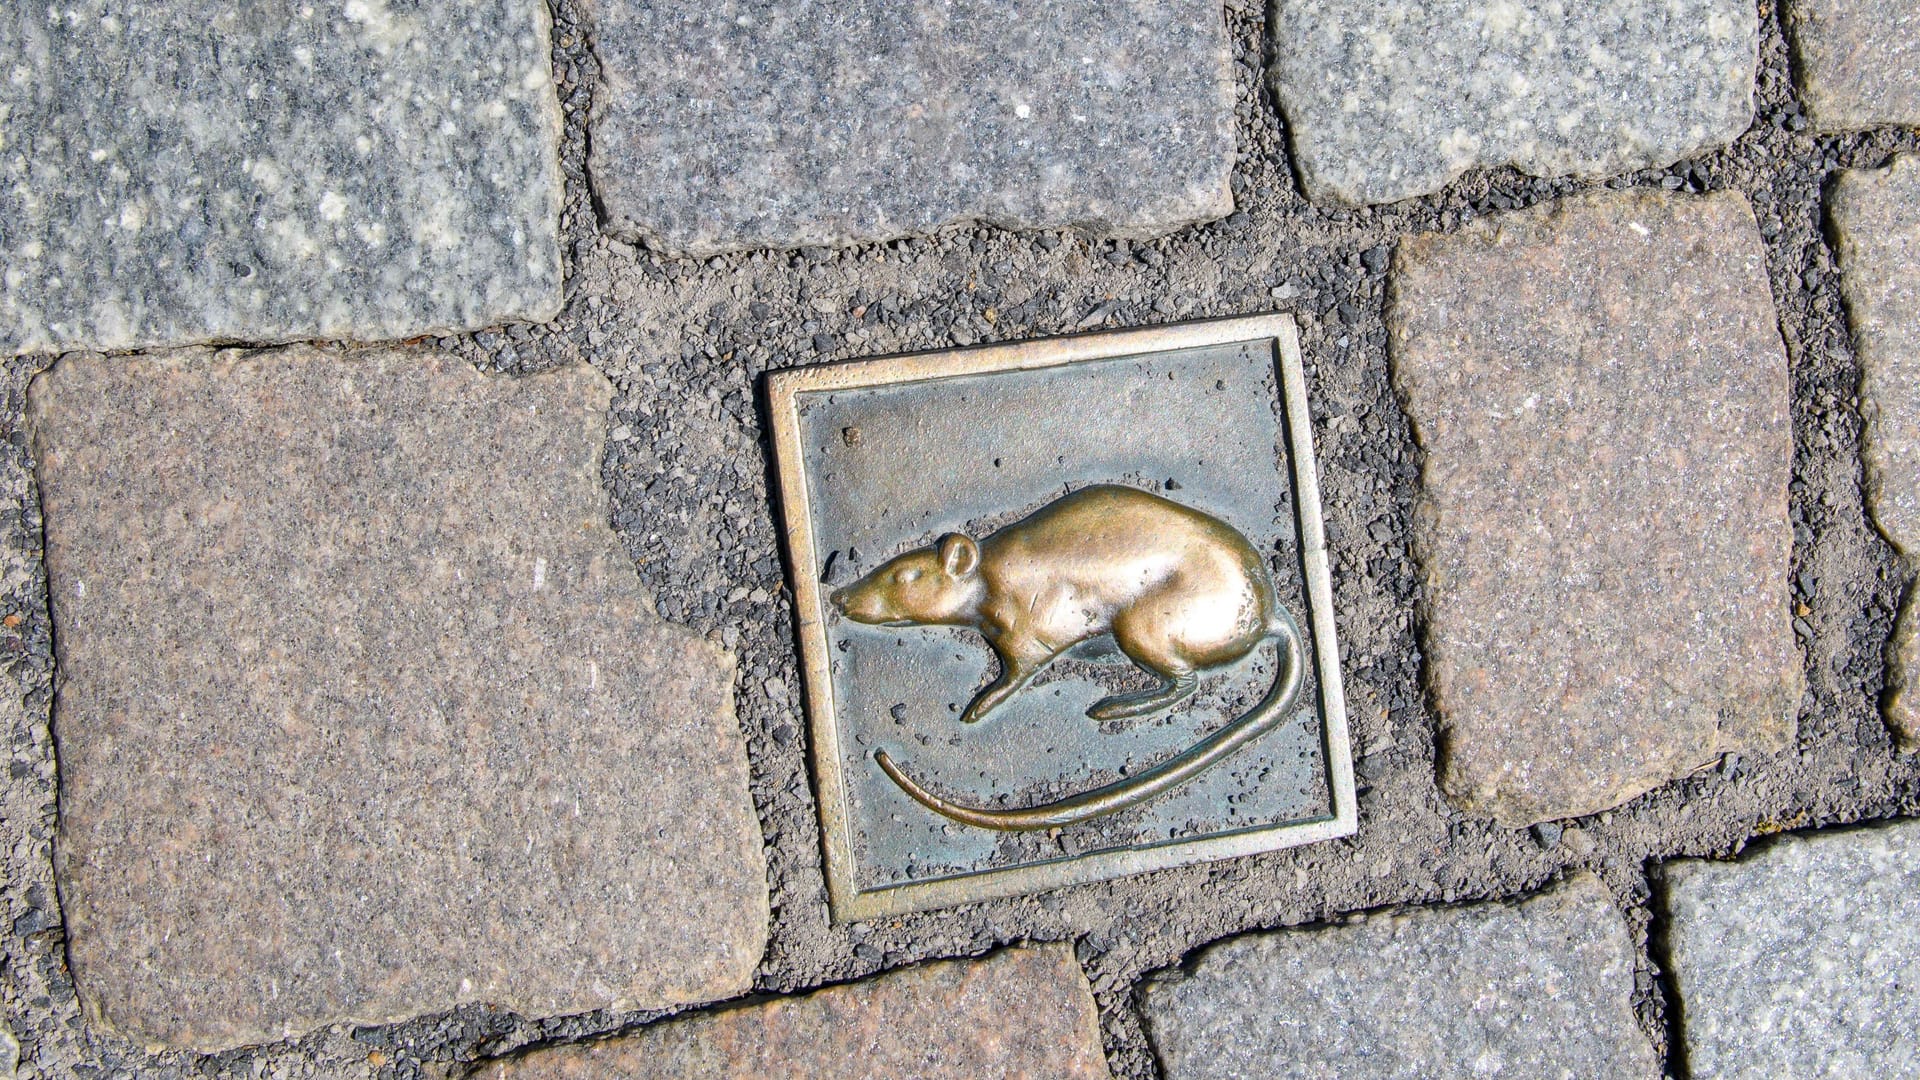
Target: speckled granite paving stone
1600,392
1876,226
362,710
1020,1013
1540,989
1800,959
1388,99
175,172
1857,62
1900,702
732,125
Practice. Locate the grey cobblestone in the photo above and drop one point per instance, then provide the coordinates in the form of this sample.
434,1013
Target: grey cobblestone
734,125
176,172
1388,99
1802,958
1536,989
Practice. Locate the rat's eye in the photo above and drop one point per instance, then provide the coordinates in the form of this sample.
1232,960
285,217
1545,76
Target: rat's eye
905,576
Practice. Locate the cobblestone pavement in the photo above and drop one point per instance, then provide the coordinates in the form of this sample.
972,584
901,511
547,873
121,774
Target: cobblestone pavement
425,694
1875,215
1600,392
180,173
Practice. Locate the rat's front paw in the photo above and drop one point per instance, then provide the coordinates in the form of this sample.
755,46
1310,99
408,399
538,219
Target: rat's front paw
981,706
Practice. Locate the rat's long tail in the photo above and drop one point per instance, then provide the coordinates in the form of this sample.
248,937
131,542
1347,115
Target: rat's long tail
1159,779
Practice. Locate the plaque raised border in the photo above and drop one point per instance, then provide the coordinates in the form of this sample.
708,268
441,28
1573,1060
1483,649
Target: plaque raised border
786,388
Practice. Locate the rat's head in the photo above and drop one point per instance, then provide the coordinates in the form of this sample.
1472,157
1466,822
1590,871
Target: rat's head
932,585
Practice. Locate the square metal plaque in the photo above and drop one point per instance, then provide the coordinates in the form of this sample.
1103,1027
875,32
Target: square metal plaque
1064,611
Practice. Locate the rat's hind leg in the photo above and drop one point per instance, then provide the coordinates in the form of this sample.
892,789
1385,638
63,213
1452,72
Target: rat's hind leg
1171,691
1177,680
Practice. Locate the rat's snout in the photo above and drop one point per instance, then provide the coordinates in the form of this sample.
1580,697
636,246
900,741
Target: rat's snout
861,603
851,601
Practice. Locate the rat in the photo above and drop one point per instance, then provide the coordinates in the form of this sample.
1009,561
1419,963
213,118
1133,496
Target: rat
1178,591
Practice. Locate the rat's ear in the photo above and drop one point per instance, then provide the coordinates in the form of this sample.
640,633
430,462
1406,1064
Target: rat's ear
959,554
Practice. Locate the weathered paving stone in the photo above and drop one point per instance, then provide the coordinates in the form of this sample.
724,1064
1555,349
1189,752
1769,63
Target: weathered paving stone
1020,1013
1802,959
733,125
1543,988
179,172
1388,99
1601,393
363,712
1876,224
1901,701
1857,61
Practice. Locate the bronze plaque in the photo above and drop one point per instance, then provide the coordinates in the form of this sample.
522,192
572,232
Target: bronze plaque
1064,611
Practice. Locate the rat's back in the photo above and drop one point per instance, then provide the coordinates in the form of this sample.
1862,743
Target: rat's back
1112,544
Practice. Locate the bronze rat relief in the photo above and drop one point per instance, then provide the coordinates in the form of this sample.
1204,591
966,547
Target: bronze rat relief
1179,591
